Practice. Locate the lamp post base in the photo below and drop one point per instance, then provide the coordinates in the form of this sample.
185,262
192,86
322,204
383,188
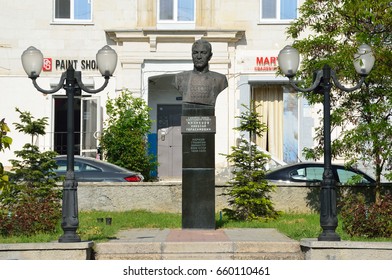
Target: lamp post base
329,235
69,236
70,221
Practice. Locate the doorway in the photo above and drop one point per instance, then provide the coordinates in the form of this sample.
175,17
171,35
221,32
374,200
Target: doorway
87,125
169,141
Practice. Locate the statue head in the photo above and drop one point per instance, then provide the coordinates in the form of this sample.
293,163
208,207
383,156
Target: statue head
201,54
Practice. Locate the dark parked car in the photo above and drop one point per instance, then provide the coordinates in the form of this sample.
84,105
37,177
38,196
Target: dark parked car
92,170
312,172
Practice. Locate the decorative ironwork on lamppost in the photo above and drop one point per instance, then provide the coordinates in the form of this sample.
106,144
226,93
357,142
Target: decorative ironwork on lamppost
71,81
288,60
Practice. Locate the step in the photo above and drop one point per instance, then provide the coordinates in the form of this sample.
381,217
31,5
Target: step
228,244
197,250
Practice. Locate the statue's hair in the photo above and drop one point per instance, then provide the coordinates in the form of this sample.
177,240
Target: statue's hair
202,42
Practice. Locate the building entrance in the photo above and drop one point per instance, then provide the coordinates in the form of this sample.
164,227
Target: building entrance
87,124
169,141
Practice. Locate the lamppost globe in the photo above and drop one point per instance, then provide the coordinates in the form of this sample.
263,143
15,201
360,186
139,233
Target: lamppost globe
32,61
107,61
364,60
288,60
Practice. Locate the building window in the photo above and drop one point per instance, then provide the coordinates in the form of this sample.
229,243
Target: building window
288,118
176,14
72,10
278,10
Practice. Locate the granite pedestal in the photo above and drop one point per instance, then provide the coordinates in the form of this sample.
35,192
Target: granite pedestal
198,166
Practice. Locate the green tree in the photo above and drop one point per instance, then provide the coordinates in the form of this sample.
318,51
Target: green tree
249,195
336,30
5,143
29,125
31,203
35,169
123,140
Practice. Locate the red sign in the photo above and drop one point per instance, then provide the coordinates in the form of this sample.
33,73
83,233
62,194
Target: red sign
47,64
266,63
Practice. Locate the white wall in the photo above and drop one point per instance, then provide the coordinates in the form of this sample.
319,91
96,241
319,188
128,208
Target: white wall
234,30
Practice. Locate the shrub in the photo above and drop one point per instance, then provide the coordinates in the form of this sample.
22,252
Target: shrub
5,142
32,214
123,140
364,219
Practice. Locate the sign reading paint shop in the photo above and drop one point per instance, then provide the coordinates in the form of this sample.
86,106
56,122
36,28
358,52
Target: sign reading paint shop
63,64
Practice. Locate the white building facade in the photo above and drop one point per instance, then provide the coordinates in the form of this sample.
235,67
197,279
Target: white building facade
153,40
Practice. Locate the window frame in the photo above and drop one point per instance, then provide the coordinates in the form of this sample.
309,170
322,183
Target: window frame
71,19
174,23
277,19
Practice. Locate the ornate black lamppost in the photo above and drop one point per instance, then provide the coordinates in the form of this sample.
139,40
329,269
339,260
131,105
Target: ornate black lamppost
288,59
71,81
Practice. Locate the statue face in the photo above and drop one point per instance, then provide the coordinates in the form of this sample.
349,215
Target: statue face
201,55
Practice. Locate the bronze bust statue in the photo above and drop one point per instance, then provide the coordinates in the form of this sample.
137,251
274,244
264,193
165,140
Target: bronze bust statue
200,85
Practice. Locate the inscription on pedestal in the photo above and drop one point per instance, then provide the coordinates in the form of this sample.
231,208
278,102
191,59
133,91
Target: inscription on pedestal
198,124
198,150
198,145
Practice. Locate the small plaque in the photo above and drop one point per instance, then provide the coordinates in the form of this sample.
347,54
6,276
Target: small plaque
198,124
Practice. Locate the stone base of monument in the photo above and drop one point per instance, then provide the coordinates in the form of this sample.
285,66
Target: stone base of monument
198,199
198,244
198,166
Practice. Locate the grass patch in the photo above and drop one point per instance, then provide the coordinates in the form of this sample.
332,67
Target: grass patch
295,226
91,229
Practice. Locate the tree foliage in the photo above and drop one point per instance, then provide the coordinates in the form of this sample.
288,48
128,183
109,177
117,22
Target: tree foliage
29,125
329,32
123,139
249,195
5,143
